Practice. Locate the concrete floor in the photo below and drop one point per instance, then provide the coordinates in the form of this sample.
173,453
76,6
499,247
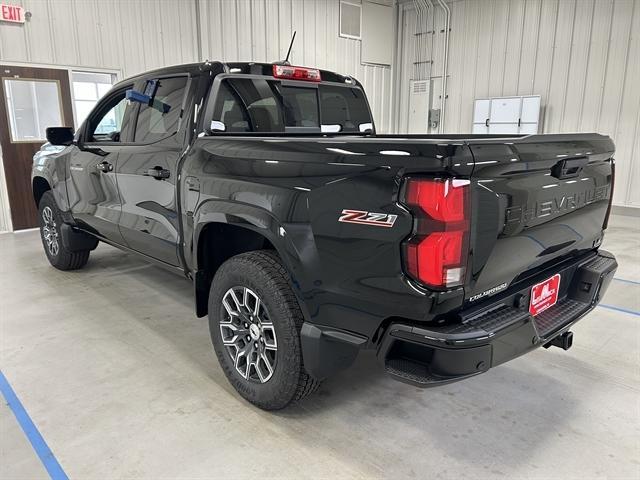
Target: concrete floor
120,378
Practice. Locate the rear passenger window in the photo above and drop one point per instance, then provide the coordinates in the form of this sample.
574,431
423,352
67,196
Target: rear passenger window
153,124
230,111
247,105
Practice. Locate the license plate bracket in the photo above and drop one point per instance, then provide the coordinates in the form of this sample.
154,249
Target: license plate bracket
544,295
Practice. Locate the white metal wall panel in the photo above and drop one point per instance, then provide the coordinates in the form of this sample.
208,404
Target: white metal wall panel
496,44
126,36
595,72
465,61
134,36
483,55
627,130
530,39
513,54
560,64
260,30
377,34
581,56
137,36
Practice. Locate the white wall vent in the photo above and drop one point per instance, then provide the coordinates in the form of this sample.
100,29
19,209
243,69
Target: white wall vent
420,86
350,20
418,121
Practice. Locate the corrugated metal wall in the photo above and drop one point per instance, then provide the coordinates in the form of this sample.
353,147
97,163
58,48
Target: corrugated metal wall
123,35
582,56
129,37
261,30
134,36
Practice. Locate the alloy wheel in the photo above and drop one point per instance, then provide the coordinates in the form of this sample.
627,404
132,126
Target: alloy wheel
50,231
248,334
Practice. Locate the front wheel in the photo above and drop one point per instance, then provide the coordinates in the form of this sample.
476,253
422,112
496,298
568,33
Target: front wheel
255,321
50,222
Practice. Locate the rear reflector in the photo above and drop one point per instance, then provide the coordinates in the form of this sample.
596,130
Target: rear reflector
436,253
297,73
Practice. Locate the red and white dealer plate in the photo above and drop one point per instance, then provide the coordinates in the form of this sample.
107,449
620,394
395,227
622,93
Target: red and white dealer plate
544,295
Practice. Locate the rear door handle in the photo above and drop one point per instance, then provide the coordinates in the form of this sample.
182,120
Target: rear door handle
105,167
158,173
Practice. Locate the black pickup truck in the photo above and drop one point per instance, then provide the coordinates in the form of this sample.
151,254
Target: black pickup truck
309,237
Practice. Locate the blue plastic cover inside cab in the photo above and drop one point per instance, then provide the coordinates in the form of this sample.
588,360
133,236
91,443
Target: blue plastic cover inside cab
147,97
135,96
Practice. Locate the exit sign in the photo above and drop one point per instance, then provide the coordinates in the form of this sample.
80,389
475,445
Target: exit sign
11,13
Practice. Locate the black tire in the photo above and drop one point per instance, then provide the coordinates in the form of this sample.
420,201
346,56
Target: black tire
263,274
50,219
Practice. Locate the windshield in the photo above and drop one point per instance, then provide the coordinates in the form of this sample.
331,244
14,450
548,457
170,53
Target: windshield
260,105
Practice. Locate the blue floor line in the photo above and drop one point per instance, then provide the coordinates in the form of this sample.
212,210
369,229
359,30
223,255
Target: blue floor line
624,280
620,309
37,442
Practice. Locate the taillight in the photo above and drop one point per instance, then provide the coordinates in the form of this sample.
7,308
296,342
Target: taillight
296,73
436,253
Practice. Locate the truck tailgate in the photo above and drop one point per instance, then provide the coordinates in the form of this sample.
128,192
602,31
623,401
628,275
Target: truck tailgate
536,199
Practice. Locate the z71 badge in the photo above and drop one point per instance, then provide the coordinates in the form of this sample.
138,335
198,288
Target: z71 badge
368,218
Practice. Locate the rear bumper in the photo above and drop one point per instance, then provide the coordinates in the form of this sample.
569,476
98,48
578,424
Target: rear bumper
496,331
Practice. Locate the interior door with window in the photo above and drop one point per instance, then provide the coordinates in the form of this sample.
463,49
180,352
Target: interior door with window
31,100
147,173
93,193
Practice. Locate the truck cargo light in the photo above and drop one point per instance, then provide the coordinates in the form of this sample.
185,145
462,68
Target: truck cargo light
297,73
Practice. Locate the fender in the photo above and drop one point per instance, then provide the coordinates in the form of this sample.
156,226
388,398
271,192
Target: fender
255,219
325,350
49,164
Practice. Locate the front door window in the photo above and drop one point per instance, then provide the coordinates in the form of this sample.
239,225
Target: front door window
106,124
88,88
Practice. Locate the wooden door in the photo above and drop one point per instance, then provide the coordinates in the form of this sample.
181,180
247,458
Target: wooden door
32,99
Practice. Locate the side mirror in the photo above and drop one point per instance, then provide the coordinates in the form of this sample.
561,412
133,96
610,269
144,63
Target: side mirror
60,135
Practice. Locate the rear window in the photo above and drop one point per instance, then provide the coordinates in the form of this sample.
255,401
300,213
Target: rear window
258,105
344,106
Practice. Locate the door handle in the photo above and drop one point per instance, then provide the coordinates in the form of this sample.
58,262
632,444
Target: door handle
158,173
105,167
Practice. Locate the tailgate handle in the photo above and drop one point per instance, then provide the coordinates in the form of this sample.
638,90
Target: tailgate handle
568,168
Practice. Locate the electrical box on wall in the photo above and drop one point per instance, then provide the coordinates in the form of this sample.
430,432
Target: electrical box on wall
418,106
434,118
507,115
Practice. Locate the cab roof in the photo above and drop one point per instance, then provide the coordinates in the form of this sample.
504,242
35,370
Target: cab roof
246,68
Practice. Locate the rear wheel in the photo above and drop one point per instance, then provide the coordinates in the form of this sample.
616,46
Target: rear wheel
50,222
255,321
